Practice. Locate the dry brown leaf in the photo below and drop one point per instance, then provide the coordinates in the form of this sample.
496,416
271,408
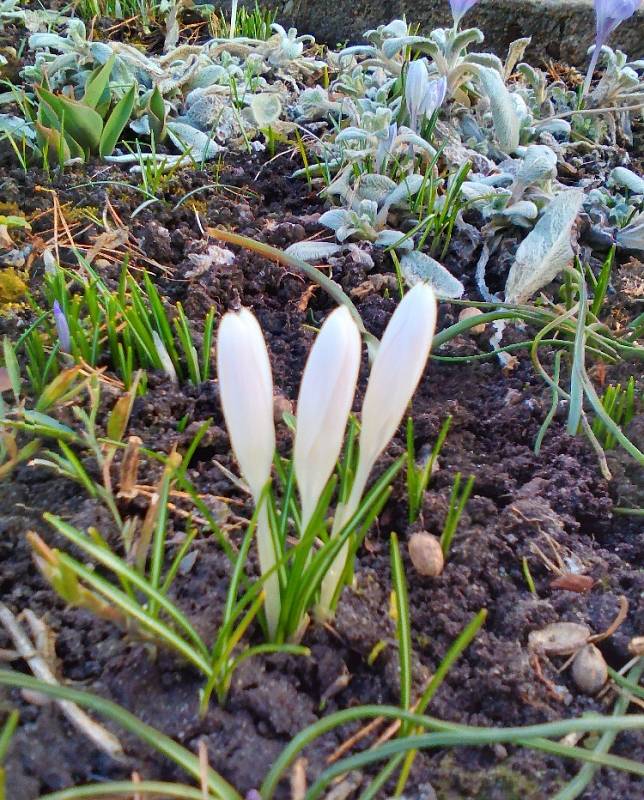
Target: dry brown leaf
108,240
374,285
5,381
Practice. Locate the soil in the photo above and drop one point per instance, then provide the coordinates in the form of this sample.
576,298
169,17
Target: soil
519,500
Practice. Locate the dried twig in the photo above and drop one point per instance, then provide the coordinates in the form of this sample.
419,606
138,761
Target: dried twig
95,732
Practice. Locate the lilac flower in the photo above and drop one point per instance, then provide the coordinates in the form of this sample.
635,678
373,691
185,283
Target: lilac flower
422,96
609,14
62,327
460,9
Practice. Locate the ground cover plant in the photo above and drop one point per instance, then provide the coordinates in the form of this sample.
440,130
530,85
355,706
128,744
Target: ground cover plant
320,409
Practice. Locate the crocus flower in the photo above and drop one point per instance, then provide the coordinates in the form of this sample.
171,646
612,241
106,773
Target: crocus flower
609,14
422,96
460,8
323,406
246,391
396,371
385,146
62,328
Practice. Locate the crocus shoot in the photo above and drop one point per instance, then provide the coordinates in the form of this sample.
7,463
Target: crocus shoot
62,328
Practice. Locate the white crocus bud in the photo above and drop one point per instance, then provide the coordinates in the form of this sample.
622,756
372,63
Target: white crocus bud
415,88
323,406
246,391
395,374
434,96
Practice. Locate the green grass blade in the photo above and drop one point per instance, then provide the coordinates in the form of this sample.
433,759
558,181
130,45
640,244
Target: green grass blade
403,629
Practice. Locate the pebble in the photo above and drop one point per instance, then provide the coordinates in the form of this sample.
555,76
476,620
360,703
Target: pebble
426,554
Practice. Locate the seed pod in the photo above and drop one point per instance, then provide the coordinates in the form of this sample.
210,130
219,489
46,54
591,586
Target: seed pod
589,670
559,638
469,313
426,554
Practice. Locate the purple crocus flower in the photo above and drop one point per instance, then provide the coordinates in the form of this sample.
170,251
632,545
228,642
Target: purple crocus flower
62,327
460,8
609,14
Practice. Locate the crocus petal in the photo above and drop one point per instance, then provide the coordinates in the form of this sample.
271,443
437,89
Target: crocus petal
608,15
246,390
434,96
397,368
460,8
415,88
325,399
611,13
62,328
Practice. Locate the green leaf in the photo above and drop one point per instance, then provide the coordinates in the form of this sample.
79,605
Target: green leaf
116,122
61,384
120,415
81,122
157,115
46,425
13,369
56,142
97,83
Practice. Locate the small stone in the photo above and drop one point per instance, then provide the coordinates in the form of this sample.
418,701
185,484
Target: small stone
500,752
281,405
426,554
469,313
636,646
589,670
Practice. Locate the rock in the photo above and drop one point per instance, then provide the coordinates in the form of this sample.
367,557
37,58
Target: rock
560,29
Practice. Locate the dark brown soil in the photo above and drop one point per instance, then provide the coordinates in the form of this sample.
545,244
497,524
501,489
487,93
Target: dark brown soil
519,500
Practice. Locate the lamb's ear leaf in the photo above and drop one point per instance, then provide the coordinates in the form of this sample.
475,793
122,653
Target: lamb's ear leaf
546,250
516,51
466,38
97,83
504,114
632,235
313,251
420,268
266,109
116,122
334,218
391,47
374,187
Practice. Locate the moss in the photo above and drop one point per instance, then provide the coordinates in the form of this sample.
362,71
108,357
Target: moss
10,210
12,286
456,781
199,206
83,213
